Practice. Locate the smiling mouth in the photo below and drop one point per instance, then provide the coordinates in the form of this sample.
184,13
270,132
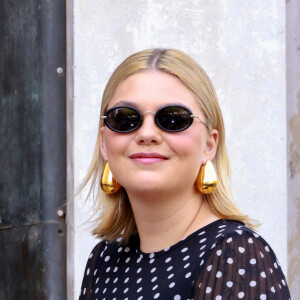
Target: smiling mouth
148,158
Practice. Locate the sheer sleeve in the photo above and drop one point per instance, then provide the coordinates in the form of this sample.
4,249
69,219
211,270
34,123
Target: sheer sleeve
242,266
90,272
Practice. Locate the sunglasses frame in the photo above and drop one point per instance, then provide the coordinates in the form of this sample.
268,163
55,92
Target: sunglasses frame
155,118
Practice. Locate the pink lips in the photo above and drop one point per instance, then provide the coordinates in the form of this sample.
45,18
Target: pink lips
148,158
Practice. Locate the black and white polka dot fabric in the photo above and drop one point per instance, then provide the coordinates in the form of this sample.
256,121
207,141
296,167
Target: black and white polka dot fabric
223,260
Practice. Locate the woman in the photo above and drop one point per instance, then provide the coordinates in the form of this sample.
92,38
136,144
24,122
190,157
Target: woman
168,230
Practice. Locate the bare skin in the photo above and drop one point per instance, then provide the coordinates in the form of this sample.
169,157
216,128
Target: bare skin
162,224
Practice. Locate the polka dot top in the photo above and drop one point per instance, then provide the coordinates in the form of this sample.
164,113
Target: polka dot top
223,260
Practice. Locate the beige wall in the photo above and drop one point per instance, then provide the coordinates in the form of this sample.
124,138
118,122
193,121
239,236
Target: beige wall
241,44
293,130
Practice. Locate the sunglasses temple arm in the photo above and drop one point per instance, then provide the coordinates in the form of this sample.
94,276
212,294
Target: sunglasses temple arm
196,116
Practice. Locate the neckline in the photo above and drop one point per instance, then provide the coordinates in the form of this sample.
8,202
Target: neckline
154,255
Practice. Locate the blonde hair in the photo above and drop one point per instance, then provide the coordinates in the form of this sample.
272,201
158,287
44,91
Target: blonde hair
113,213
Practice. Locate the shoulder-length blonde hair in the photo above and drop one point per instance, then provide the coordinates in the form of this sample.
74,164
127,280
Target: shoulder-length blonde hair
113,213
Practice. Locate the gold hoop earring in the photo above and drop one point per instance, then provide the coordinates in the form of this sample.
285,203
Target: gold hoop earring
108,183
206,181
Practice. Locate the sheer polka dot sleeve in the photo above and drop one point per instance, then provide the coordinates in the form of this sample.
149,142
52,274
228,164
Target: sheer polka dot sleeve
90,272
242,266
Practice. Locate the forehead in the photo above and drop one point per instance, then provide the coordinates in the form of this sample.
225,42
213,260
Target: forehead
153,89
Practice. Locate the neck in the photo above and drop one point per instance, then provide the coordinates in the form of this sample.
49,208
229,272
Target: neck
164,220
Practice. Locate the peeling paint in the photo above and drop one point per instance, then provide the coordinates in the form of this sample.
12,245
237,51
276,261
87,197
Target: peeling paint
294,127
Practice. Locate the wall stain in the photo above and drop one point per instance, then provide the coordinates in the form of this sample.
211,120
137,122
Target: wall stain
294,199
294,251
294,127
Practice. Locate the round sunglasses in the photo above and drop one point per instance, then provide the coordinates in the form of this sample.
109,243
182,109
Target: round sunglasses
171,118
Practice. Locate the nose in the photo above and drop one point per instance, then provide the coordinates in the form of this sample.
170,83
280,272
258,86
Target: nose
149,133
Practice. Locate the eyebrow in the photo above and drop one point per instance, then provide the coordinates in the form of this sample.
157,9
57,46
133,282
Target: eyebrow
138,107
127,103
124,102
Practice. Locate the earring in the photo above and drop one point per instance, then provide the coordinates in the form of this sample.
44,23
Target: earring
206,181
108,183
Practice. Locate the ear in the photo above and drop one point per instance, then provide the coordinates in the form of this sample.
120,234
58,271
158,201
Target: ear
102,144
211,145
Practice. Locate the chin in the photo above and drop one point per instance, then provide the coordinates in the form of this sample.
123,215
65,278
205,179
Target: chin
145,186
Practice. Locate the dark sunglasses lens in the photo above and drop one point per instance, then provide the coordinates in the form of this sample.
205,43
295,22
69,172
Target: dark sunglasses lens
123,119
173,118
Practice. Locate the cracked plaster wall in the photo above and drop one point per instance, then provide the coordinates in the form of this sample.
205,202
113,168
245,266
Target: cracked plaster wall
241,44
293,142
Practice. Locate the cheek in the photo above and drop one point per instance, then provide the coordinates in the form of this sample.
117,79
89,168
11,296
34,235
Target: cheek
190,145
188,152
116,144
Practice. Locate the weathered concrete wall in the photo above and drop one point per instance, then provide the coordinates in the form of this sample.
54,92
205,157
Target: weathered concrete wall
293,138
241,44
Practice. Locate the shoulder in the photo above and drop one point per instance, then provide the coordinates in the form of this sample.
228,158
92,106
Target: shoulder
101,253
104,250
236,239
237,233
240,264
227,231
94,256
230,227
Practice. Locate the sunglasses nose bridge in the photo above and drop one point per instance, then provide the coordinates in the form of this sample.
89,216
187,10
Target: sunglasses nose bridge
148,112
